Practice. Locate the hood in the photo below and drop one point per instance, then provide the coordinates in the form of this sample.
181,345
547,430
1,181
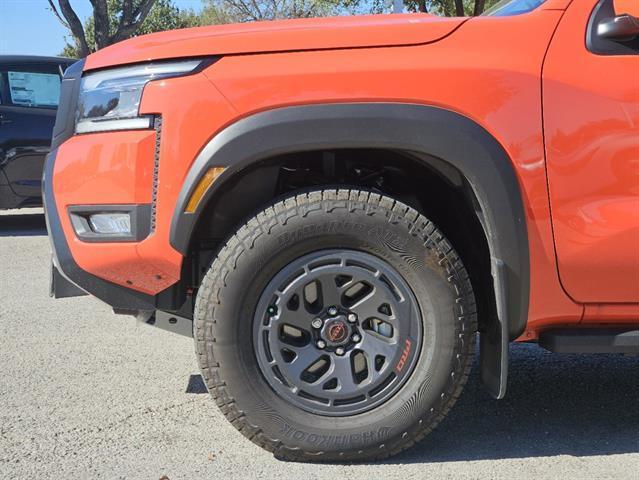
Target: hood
279,36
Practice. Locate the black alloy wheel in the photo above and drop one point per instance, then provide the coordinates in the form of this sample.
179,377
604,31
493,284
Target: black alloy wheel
337,332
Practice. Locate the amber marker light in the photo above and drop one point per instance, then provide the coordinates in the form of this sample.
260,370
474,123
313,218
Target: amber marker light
202,186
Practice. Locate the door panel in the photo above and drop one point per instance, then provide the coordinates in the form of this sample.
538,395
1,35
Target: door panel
591,122
27,115
27,137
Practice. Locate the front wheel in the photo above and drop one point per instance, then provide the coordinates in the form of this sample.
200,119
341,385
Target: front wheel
336,325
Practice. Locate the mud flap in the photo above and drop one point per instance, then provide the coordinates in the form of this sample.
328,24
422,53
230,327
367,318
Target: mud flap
60,287
493,343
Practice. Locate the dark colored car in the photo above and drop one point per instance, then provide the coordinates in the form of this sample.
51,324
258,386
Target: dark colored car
29,95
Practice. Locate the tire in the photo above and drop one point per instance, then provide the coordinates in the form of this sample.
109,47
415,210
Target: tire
409,250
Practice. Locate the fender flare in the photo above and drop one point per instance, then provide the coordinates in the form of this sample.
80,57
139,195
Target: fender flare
434,131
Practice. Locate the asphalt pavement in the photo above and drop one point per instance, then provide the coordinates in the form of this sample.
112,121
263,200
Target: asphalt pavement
88,394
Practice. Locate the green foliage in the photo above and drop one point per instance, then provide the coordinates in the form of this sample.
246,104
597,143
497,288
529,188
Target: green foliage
164,15
70,51
228,11
446,8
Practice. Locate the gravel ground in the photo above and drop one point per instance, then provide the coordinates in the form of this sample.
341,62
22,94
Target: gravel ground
87,394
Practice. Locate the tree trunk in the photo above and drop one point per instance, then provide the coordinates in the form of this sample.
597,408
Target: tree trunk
421,6
101,22
75,25
459,8
480,5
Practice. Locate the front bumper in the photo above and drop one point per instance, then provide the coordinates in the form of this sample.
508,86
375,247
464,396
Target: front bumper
120,298
67,271
138,169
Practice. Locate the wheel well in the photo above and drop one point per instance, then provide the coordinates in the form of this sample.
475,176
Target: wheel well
430,185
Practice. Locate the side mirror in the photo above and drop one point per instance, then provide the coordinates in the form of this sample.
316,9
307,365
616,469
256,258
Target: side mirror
622,28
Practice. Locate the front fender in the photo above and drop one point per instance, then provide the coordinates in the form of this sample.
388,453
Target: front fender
420,129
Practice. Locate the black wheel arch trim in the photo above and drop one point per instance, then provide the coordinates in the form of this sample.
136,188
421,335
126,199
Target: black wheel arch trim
434,131
421,129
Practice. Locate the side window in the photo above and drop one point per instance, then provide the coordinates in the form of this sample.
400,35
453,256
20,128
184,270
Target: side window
505,8
33,89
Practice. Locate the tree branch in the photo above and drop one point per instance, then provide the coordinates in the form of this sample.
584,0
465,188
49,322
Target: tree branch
126,18
142,11
127,12
75,25
127,29
243,8
57,14
259,13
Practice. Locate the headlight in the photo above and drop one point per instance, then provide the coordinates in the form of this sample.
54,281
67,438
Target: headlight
110,99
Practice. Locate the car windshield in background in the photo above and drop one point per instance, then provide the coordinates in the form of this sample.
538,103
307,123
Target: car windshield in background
512,7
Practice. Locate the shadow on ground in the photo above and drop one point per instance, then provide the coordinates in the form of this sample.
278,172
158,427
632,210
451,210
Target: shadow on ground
579,405
24,225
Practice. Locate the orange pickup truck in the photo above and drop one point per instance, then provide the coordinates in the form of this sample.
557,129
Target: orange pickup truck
340,211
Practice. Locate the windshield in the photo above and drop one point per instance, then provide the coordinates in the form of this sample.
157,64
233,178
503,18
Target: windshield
512,7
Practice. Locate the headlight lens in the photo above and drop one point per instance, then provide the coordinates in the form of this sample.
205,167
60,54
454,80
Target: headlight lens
110,99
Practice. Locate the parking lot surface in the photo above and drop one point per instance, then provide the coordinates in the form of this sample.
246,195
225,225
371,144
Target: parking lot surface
88,394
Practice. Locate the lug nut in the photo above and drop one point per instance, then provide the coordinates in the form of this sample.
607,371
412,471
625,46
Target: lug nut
352,317
332,311
356,337
339,351
317,323
321,344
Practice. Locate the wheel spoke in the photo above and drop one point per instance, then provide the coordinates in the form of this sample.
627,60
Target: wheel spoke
316,387
331,293
368,307
373,374
299,318
305,357
344,373
374,344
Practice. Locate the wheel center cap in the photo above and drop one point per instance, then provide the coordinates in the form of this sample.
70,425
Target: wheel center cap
336,331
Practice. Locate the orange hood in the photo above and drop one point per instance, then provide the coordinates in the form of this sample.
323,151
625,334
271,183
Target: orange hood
278,36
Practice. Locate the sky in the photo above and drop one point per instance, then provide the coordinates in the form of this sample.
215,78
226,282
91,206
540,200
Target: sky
28,27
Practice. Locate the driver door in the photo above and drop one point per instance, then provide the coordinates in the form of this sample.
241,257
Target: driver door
591,123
